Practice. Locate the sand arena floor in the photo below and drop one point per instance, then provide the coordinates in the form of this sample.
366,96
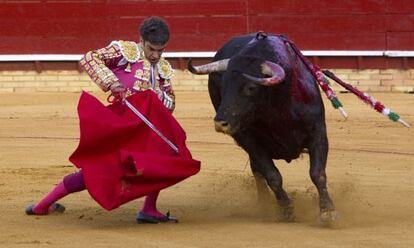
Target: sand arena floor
370,178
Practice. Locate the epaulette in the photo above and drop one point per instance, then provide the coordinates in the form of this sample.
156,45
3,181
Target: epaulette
164,69
129,50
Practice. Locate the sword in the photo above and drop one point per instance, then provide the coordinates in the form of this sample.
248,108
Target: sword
150,125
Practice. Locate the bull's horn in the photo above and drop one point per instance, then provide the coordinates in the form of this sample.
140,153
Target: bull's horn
275,71
216,66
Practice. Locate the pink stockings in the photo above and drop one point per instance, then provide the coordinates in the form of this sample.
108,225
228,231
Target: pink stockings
43,206
70,184
150,205
73,183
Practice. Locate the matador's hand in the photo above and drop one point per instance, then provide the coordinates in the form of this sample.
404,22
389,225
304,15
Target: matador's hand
168,101
118,90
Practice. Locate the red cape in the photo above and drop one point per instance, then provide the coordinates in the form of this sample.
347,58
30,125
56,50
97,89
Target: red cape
121,157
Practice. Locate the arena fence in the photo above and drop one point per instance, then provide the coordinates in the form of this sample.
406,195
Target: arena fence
61,73
371,80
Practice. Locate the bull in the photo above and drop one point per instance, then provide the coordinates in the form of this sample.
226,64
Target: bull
268,101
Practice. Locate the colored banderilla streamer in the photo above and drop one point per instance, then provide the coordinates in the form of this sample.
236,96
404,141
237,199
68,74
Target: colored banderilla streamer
378,106
320,78
324,84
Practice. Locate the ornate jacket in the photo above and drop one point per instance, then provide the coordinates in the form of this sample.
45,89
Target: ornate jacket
124,62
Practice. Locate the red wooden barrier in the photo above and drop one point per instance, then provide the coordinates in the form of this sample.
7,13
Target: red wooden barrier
74,27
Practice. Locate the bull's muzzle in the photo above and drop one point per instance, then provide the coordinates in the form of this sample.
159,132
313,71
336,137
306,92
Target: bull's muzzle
222,127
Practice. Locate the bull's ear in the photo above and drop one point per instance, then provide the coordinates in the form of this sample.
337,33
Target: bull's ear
275,71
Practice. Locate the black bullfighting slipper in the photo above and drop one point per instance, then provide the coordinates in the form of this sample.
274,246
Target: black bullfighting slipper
54,208
144,218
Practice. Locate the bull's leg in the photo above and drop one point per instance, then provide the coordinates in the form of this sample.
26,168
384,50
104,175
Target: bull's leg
265,166
261,185
318,154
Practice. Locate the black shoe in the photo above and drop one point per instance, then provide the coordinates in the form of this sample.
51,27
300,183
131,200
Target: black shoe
144,218
54,208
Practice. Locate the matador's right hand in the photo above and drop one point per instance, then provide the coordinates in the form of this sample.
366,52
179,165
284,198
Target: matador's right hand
118,90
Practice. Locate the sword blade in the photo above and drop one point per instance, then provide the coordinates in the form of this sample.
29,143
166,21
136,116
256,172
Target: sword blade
150,125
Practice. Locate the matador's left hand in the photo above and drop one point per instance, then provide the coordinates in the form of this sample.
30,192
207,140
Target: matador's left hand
167,101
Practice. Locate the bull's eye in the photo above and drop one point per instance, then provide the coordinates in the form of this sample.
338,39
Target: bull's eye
250,89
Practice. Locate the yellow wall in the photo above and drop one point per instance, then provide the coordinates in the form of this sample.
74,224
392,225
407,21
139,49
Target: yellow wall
389,80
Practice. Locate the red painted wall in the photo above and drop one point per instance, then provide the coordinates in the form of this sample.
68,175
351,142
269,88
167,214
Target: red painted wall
204,25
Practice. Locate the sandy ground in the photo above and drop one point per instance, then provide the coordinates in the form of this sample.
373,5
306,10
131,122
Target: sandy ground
370,177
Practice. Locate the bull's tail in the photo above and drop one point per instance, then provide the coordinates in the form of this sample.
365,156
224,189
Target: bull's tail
378,106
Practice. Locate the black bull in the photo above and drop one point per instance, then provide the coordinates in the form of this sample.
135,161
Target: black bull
269,102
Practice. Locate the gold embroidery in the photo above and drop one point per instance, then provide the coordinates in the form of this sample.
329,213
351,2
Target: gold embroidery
142,85
145,85
164,69
139,73
143,74
128,67
141,52
167,83
130,51
94,63
147,65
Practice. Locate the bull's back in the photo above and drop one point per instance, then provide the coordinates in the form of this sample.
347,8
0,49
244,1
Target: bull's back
233,46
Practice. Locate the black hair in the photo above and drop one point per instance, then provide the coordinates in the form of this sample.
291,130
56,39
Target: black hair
155,30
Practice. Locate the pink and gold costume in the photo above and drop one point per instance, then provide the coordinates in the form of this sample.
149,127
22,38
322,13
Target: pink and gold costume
124,62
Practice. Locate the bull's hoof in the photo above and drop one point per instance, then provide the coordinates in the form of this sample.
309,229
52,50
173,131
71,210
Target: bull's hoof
287,214
329,217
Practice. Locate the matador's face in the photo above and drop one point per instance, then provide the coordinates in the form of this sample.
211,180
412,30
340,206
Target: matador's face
152,52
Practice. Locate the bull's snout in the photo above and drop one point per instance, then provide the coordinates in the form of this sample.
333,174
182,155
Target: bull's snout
222,126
